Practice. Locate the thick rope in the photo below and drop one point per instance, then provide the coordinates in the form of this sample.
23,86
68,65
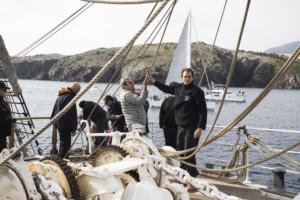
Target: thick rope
90,84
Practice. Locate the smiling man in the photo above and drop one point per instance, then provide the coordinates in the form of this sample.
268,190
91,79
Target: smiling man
190,112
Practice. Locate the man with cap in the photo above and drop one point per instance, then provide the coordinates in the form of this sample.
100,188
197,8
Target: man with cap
67,124
97,115
6,120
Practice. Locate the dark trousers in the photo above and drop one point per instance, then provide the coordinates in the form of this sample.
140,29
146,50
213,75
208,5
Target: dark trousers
3,143
171,136
65,143
186,140
100,125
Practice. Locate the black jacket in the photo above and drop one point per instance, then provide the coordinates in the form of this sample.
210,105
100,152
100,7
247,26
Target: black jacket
116,109
189,104
166,113
68,122
5,118
99,112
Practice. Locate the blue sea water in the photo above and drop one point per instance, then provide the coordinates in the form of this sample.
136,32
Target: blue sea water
279,110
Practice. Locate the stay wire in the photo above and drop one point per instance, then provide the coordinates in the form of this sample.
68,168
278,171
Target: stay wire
66,21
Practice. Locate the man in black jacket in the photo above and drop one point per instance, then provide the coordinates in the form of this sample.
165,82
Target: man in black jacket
97,116
6,121
167,121
190,113
115,114
67,124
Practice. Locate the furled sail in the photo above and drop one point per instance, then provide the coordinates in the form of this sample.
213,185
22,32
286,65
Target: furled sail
123,1
182,55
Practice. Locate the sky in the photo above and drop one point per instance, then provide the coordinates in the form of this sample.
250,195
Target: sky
270,23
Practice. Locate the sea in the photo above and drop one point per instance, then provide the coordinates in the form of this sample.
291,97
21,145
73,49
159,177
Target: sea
280,109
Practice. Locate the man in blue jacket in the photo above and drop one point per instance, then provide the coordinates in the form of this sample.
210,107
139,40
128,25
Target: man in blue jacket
190,113
67,124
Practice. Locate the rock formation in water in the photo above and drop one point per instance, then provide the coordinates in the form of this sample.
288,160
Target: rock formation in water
252,69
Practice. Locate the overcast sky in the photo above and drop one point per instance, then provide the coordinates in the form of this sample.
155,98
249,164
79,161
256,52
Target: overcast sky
270,23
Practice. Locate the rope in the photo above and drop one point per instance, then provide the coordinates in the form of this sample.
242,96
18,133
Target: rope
163,34
163,20
254,140
227,83
123,1
229,78
90,84
213,45
245,166
247,110
58,27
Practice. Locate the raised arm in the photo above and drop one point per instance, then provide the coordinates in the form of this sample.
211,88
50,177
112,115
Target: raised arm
162,87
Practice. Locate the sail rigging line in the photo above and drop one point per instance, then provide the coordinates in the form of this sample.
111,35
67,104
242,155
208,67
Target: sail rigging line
162,37
159,26
281,72
283,156
229,78
230,74
213,45
200,53
58,27
267,158
259,150
152,10
90,84
123,1
146,46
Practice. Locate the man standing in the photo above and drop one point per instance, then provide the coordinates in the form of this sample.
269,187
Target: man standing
6,120
114,113
167,121
67,124
98,116
132,104
190,113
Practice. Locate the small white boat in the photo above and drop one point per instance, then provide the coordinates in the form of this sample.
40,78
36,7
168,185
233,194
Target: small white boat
217,93
156,103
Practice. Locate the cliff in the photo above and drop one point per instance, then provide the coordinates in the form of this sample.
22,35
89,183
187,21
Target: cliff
252,69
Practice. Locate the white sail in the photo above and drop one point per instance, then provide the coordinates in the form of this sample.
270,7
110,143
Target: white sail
123,1
182,55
